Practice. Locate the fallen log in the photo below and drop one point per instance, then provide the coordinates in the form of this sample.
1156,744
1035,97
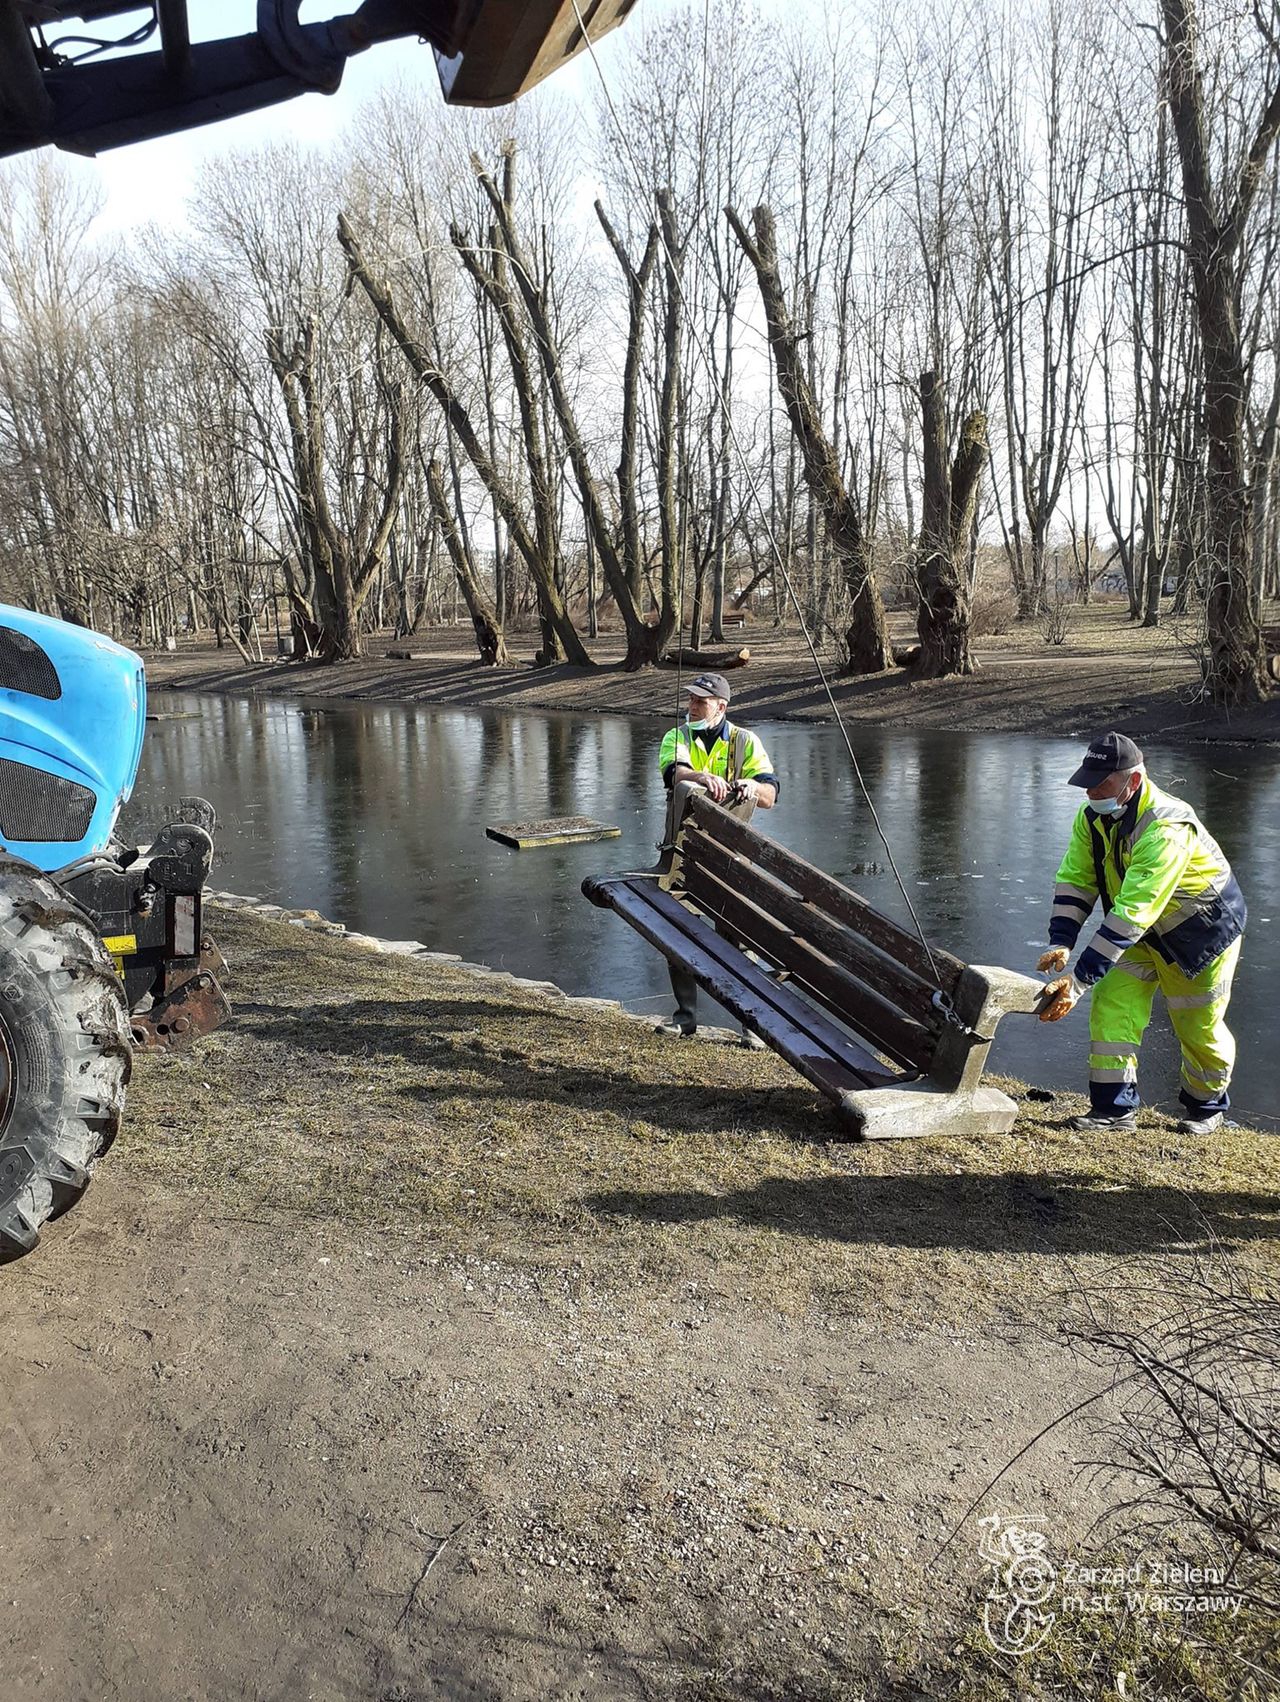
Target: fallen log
717,659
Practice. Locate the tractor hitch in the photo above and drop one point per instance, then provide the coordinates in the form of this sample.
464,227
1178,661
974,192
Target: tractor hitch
147,904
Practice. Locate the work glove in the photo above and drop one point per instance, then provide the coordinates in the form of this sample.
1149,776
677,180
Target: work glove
1060,996
1053,959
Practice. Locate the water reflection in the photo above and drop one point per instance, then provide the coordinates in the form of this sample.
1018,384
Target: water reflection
376,816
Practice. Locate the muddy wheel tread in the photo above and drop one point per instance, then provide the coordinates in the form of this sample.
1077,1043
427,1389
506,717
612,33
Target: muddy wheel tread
65,1008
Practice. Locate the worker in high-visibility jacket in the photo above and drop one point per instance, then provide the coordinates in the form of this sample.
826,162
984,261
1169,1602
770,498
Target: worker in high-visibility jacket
731,764
1173,918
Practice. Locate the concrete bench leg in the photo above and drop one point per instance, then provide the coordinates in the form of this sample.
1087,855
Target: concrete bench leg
907,1113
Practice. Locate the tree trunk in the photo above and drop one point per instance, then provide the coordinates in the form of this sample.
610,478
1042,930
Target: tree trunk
867,638
488,630
1236,668
671,610
950,502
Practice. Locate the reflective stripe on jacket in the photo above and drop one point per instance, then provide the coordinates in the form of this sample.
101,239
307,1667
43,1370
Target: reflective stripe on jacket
1162,879
735,754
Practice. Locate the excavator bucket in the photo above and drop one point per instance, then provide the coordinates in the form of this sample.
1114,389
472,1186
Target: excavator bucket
504,50
488,52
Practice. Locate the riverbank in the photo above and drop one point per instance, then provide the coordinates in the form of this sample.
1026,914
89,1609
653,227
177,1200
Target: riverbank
429,1335
1108,673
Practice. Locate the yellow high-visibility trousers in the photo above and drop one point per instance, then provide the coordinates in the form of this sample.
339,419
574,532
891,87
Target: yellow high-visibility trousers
1120,1009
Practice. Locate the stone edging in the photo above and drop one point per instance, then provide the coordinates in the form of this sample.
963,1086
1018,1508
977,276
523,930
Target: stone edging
318,924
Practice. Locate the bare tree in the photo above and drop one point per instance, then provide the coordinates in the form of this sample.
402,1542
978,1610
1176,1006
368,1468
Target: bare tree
1218,210
346,557
637,278
644,643
1040,183
950,501
867,639
460,424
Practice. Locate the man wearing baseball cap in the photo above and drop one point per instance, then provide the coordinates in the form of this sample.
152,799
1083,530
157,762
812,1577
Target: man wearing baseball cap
1173,917
733,766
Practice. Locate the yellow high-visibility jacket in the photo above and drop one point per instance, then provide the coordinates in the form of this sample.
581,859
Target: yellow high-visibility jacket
1161,878
734,753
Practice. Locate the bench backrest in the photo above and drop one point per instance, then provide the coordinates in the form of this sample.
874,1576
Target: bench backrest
873,974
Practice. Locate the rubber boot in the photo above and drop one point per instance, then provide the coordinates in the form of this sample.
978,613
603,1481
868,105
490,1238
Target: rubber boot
684,986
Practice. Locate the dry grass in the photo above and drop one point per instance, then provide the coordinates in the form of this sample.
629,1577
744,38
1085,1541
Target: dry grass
1201,1657
437,1104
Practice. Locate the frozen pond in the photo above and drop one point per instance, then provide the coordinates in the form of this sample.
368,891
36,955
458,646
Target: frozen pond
375,816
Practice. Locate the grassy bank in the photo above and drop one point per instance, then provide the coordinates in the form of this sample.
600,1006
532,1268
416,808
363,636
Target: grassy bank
395,1094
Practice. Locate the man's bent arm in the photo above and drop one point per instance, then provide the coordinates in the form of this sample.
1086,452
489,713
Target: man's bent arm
766,791
1155,870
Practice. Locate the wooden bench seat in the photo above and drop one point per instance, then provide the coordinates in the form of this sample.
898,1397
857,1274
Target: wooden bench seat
894,1032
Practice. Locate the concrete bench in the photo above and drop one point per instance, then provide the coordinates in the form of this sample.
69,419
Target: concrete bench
895,1035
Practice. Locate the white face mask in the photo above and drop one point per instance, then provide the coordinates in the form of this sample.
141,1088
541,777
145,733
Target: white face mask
698,726
1109,806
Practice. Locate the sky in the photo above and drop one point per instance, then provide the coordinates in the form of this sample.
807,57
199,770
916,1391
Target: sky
150,181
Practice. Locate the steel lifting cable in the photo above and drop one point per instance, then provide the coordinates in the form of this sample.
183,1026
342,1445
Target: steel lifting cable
675,280
754,488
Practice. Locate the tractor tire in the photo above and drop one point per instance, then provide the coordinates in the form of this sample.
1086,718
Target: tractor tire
65,1053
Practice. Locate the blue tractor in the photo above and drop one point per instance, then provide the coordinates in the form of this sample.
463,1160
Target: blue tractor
102,948
102,945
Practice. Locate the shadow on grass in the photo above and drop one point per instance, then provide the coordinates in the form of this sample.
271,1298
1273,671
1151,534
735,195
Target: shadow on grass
1027,1212
456,1037
510,1054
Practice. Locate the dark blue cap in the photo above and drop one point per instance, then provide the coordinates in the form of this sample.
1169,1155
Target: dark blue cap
1109,753
710,685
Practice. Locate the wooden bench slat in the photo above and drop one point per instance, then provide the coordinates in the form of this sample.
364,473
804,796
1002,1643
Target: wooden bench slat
851,1000
835,953
892,980
811,1043
836,900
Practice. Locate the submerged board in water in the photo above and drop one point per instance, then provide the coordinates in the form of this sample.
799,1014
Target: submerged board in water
555,830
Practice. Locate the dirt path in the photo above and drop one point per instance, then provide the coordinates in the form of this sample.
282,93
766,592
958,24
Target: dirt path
233,1452
428,1337
1109,673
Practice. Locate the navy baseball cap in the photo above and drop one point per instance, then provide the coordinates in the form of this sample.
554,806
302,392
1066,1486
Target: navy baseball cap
1109,753
710,685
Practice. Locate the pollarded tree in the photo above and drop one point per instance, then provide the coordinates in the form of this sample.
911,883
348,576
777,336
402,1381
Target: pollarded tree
1222,172
867,639
946,524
